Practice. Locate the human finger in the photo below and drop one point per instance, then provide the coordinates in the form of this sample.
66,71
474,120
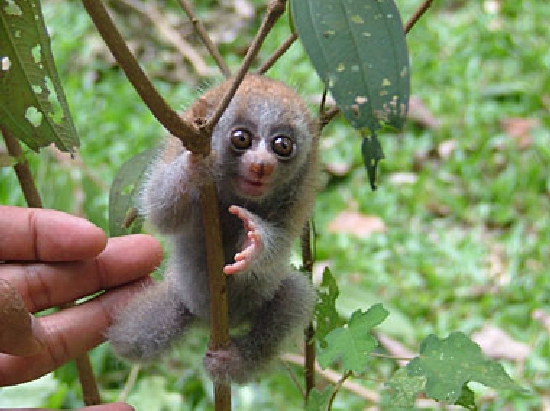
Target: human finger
125,259
67,335
32,234
17,326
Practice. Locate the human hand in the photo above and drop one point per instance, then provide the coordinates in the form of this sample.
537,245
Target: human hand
47,259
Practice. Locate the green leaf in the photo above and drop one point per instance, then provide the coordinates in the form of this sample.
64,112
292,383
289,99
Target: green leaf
467,398
372,154
319,401
450,363
358,49
353,343
33,106
403,390
326,315
123,192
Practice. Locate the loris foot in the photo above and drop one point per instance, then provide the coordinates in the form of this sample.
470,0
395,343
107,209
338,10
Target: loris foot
225,364
252,245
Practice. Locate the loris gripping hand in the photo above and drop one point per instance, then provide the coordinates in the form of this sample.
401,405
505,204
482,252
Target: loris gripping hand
264,165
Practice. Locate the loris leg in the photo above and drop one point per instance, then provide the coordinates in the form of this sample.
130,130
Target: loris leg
289,311
148,325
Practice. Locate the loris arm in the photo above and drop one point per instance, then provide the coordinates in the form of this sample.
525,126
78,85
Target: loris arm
172,187
264,245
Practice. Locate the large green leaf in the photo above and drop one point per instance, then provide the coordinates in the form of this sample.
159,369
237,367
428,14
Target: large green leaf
450,363
125,187
32,104
358,49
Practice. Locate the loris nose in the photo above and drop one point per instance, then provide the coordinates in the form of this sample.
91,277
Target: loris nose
261,169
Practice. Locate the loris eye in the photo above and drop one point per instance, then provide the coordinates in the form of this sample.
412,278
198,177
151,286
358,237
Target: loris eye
282,146
241,139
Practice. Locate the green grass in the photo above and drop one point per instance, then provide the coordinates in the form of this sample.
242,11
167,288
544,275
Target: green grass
472,69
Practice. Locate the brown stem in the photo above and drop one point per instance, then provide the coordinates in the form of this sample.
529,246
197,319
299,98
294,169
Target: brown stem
191,136
22,171
337,388
88,382
201,31
275,9
309,343
416,16
90,392
151,12
334,376
278,53
219,322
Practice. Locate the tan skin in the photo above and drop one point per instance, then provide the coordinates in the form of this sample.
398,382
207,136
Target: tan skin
51,258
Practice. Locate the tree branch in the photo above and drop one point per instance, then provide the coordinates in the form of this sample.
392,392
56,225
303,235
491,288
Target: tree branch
277,53
275,9
417,14
192,137
22,170
150,11
201,31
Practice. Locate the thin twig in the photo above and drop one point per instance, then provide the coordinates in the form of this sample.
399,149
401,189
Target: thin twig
90,391
193,138
334,377
22,170
149,11
417,14
275,9
203,34
278,53
337,387
327,117
130,382
309,342
294,378
88,382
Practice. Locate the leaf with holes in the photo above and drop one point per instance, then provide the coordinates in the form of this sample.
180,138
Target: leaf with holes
122,196
358,49
33,107
326,315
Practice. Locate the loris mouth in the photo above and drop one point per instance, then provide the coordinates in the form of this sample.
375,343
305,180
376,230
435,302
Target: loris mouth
253,188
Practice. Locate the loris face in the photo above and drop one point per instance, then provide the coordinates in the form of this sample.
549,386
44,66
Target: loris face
258,160
264,138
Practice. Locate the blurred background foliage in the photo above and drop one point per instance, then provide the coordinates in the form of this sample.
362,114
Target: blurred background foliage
456,238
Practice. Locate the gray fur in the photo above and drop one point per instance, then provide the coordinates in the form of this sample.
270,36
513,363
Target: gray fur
269,296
